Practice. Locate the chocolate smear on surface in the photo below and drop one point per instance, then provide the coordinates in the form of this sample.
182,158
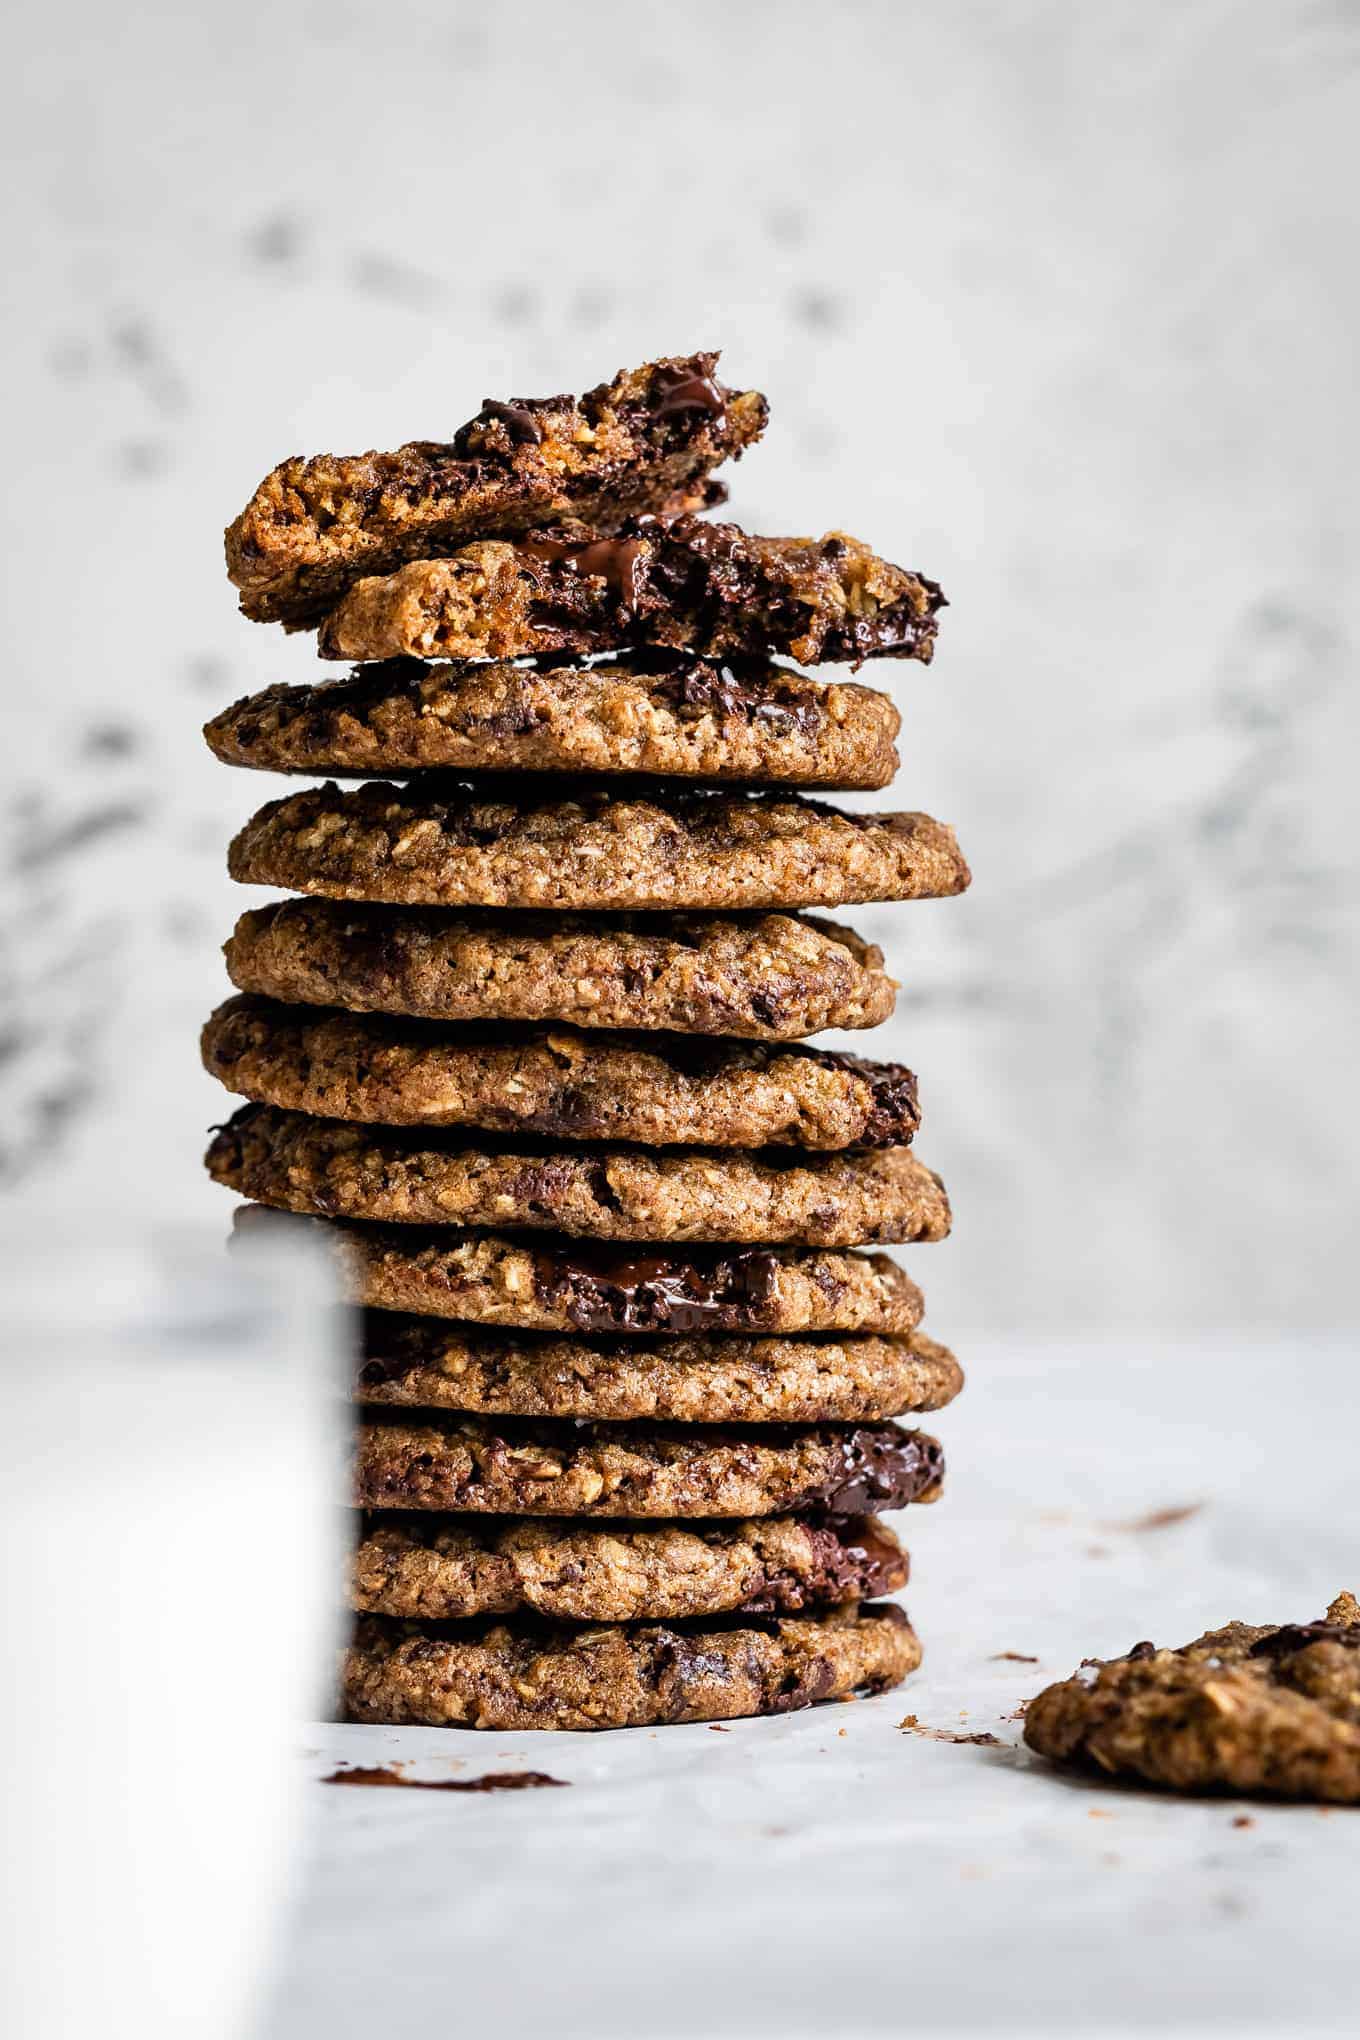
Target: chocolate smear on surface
491,1781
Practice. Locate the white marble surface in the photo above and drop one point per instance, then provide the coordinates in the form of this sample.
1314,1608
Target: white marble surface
829,1873
1051,299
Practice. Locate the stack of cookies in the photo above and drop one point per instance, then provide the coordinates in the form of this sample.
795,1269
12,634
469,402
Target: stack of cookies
525,1046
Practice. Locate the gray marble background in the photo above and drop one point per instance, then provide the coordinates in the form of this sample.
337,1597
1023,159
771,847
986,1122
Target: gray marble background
1056,301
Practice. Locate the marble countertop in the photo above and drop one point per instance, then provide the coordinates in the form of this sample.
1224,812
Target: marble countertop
835,1873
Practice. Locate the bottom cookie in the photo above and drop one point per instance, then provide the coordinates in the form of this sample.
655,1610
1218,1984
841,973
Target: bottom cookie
538,1676
445,1568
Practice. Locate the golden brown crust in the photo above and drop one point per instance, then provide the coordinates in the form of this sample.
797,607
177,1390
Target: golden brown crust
526,1676
451,1568
641,443
585,848
670,714
398,1176
591,1287
763,977
659,1089
1268,1710
689,584
421,1363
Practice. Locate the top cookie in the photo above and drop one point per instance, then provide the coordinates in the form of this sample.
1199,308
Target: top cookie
658,712
709,588
637,444
1274,1711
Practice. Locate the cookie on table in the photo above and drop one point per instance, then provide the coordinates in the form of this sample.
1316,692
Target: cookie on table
507,1466
423,1363
333,1168
661,713
687,583
530,1675
1273,1711
450,1568
642,443
761,977
660,1089
581,847
592,1287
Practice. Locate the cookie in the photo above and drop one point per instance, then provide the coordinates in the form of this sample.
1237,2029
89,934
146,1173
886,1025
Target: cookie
533,1675
437,1568
397,1176
765,977
1274,1711
687,583
666,712
643,442
421,1363
584,847
507,1466
658,1089
591,1287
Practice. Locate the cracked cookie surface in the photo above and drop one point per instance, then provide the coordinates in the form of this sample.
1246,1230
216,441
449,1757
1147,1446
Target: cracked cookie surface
582,847
525,1675
433,1568
1264,1710
670,714
590,1287
505,1466
421,1363
644,442
762,977
661,1089
429,1176
688,584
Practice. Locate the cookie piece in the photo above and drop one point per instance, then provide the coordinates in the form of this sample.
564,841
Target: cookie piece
591,1287
394,1175
1274,1711
448,1569
581,846
533,1675
687,583
765,977
666,712
658,1089
507,1466
643,442
421,1363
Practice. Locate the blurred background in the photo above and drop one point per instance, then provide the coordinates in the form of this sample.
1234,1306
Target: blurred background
1056,302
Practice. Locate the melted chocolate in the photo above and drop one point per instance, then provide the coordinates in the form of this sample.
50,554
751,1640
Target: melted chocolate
620,562
656,1293
520,425
678,392
1294,1636
851,1562
883,1468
